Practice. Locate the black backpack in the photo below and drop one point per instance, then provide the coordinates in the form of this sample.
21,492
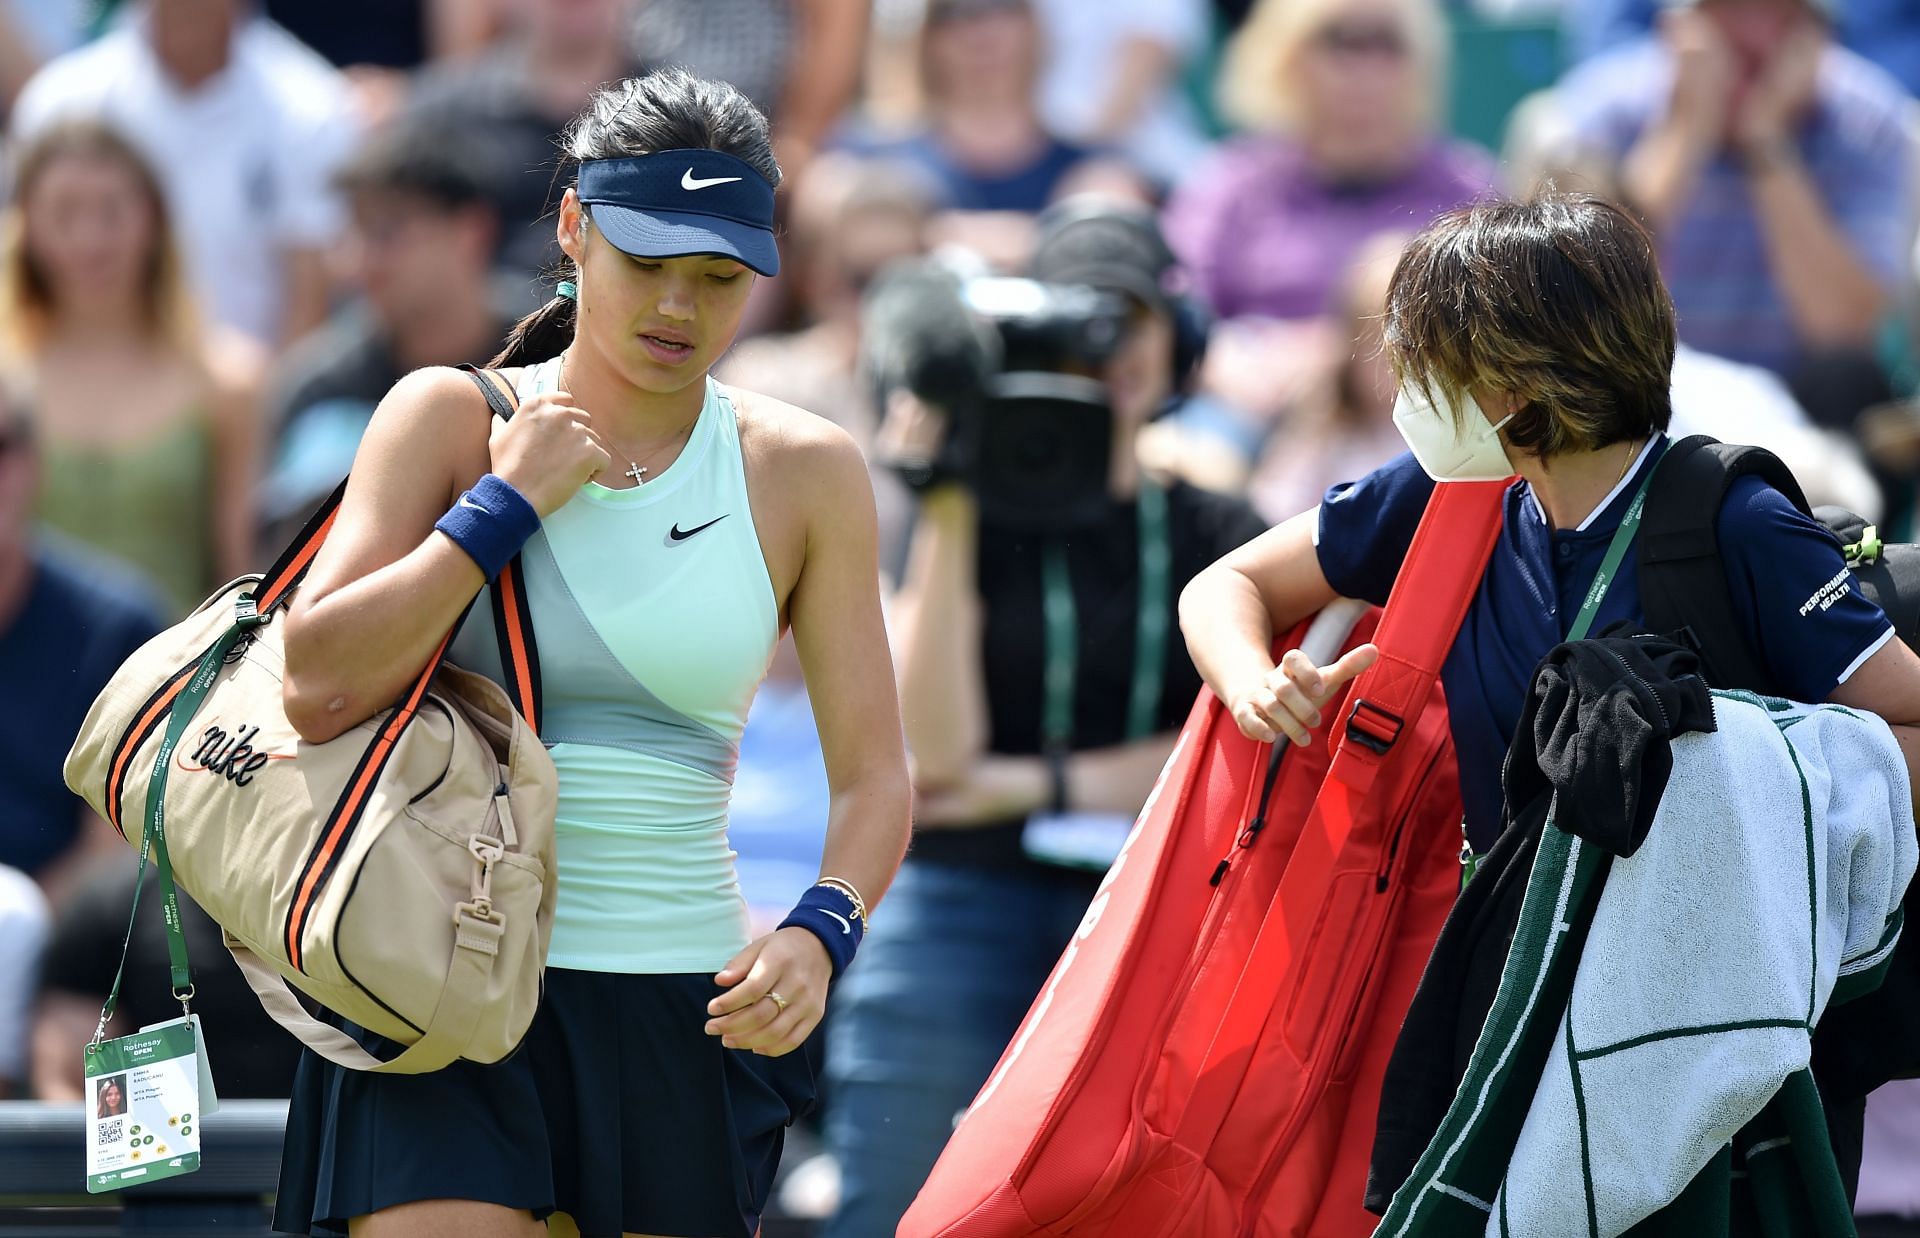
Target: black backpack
1683,585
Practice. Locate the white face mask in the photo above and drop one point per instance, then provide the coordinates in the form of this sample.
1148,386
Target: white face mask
1448,454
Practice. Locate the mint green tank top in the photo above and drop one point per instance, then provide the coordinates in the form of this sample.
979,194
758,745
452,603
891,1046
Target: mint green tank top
656,621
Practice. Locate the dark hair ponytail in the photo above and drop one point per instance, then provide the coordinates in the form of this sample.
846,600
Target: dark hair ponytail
666,110
542,334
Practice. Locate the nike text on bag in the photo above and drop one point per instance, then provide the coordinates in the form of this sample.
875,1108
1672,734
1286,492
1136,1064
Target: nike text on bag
1206,1058
400,875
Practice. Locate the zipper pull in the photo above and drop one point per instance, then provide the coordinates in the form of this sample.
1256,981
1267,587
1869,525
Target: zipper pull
1220,871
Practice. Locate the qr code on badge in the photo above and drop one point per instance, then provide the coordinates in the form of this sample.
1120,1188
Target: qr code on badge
112,1130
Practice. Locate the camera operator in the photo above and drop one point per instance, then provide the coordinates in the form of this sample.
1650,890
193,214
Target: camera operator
1040,677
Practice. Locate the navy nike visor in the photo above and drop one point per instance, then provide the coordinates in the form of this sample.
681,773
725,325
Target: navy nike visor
678,202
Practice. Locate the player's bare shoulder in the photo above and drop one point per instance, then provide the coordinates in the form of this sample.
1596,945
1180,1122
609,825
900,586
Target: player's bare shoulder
806,457
436,418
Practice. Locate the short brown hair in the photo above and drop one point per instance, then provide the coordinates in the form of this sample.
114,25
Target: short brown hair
1558,300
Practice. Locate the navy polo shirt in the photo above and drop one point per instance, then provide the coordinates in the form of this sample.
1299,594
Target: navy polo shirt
1791,590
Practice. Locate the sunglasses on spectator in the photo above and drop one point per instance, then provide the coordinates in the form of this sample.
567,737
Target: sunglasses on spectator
1363,38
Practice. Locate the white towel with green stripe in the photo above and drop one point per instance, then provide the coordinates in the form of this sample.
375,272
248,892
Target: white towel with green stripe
1770,884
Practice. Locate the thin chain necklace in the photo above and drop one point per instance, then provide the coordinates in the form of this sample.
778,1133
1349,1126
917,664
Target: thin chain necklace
634,468
1628,463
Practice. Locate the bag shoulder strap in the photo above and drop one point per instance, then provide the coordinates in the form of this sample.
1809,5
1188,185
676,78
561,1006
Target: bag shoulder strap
455,1014
1683,580
501,402
1430,597
512,617
512,613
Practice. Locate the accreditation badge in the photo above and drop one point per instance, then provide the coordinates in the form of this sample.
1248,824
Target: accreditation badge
1091,841
143,1100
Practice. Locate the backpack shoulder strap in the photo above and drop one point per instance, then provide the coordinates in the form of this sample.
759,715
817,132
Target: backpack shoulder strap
1683,581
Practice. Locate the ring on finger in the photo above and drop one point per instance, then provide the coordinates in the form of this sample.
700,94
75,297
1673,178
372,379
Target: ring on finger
778,1001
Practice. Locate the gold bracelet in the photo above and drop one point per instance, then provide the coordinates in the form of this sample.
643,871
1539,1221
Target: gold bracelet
846,888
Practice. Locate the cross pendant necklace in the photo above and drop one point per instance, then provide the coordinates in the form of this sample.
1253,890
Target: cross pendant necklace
634,471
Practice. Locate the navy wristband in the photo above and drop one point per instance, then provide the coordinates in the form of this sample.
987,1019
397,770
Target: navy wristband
831,915
491,522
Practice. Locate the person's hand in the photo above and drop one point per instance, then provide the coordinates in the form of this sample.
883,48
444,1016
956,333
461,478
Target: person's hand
790,962
1705,75
1289,699
996,788
548,451
1781,94
911,430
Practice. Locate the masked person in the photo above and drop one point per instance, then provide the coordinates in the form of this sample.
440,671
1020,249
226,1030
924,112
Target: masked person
1041,692
1533,339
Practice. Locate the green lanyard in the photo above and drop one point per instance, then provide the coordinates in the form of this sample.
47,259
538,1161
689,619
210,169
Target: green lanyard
1583,622
154,842
1610,565
1150,631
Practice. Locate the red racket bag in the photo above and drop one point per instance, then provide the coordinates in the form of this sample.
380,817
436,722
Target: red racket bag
1206,1057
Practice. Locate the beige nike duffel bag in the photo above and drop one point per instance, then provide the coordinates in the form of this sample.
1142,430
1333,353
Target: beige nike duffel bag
401,875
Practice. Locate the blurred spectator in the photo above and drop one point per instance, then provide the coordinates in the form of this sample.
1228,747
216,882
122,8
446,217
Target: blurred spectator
1884,31
148,424
47,28
1888,1202
849,217
420,252
1343,99
243,126
389,34
249,1054
1004,772
514,100
1775,168
23,926
1113,78
376,43
799,60
31,33
981,140
1343,427
1738,403
67,622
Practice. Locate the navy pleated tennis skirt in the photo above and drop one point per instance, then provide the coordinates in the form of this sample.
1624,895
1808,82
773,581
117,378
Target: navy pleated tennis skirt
617,1109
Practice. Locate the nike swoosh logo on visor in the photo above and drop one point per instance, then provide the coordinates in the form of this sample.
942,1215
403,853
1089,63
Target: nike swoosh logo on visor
678,534
688,181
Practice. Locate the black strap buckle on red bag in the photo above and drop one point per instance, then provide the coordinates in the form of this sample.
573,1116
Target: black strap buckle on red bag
1387,731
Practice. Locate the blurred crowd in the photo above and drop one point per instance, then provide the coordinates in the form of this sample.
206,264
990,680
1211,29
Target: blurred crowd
229,226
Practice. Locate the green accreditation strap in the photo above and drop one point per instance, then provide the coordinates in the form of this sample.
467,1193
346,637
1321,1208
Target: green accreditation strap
1610,565
153,841
1150,632
1583,622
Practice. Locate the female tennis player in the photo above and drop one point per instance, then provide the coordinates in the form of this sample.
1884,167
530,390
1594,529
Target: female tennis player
671,530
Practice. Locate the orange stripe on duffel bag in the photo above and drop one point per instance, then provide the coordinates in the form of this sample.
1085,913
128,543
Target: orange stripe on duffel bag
346,814
522,668
271,590
144,724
